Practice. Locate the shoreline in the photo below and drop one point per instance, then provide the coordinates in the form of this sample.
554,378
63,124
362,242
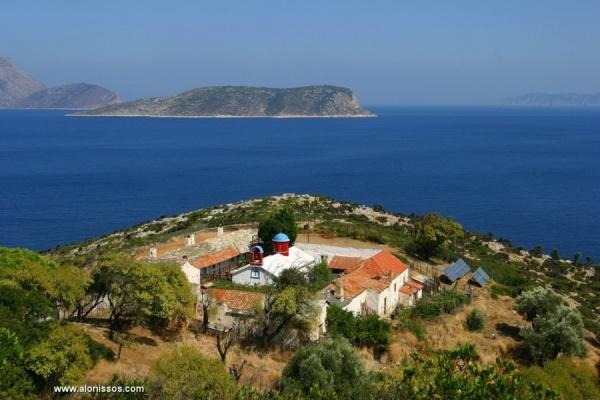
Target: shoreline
222,116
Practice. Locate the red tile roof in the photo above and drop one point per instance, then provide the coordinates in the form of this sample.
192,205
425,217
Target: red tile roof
408,290
374,273
384,263
237,299
414,284
344,263
215,258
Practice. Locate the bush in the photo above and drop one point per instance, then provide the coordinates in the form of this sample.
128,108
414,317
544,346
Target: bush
370,330
567,378
444,302
184,373
332,366
476,320
456,374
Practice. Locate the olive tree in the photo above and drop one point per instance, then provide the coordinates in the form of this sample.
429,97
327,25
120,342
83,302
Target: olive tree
555,327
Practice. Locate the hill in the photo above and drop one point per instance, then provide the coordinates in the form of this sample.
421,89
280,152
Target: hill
73,96
18,90
556,100
15,84
244,101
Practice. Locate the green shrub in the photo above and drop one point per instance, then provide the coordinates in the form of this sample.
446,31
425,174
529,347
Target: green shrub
370,330
443,302
332,366
476,320
568,379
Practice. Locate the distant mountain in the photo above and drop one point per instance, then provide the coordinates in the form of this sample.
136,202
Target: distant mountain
244,101
556,99
74,96
15,84
18,90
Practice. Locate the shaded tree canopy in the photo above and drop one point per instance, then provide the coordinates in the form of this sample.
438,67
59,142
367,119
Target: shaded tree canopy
281,221
142,293
432,232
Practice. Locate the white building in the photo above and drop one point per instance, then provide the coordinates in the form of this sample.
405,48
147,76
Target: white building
377,285
263,270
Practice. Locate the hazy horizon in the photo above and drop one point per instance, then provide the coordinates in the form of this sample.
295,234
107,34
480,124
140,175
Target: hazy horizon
459,53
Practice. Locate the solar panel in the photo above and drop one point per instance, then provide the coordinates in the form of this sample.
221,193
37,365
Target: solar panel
481,277
457,270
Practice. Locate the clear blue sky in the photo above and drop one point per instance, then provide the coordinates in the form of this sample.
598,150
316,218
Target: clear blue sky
396,52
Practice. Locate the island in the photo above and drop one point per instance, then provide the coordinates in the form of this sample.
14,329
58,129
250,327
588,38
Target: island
20,91
243,101
556,100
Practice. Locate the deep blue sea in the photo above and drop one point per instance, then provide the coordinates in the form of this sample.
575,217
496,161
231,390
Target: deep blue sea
531,175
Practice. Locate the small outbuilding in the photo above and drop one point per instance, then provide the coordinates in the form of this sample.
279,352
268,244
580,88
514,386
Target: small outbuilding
480,277
455,271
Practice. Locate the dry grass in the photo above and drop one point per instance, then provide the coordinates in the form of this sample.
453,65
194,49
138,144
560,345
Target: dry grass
262,370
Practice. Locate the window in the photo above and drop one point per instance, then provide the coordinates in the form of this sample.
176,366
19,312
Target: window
255,273
385,305
395,287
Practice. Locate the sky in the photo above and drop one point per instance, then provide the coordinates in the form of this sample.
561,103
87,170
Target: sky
389,52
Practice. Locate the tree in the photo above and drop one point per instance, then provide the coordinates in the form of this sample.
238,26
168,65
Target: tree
15,383
555,255
288,308
476,320
184,373
576,257
319,276
62,358
142,293
282,221
537,251
537,301
332,366
60,284
555,327
340,323
432,232
554,333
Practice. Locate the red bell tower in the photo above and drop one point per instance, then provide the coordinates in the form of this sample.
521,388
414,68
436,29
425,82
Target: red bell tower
281,244
256,256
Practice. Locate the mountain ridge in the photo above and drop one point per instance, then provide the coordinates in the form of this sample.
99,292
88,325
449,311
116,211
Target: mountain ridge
19,90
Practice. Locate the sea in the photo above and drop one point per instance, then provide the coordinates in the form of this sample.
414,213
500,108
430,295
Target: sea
531,175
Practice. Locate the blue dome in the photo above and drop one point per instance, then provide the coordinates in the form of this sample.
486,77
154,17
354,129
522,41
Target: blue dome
281,237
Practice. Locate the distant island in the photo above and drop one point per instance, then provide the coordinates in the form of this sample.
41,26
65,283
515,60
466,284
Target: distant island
556,100
243,101
19,90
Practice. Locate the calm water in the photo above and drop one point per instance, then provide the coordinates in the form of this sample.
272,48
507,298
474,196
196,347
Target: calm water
527,174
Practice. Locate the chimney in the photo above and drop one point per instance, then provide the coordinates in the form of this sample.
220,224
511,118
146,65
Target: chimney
190,240
389,276
339,291
153,253
220,231
324,258
185,258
